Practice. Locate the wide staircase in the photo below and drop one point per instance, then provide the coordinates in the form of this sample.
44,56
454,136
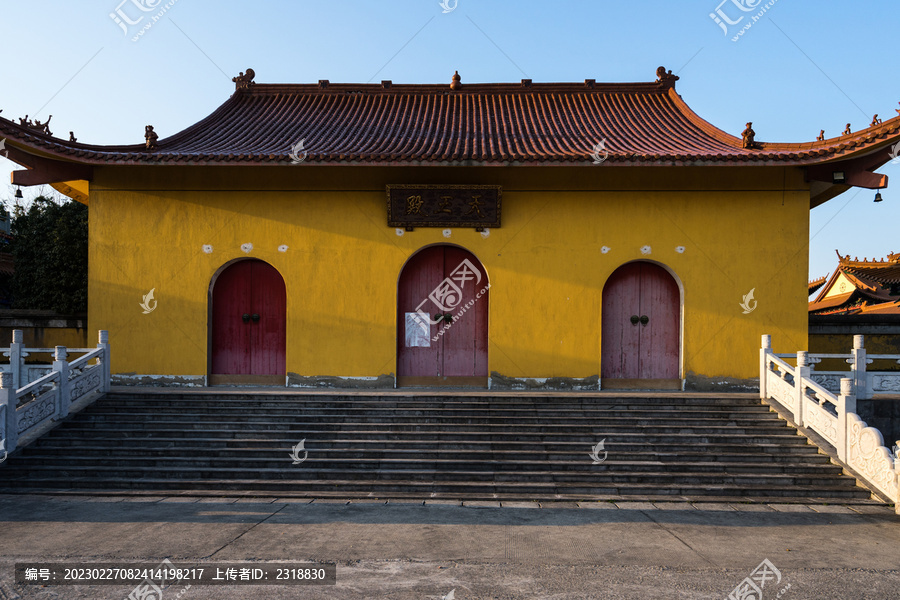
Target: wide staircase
430,446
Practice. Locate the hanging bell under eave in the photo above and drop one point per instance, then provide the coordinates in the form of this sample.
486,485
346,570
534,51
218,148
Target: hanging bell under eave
878,197
18,192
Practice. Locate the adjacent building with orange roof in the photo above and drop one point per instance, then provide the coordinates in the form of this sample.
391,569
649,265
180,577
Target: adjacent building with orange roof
860,287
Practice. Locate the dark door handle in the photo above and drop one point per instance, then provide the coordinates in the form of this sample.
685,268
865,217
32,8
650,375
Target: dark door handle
635,319
448,317
255,318
245,318
645,319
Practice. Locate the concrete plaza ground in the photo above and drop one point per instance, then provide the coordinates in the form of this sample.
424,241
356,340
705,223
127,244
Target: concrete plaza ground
406,550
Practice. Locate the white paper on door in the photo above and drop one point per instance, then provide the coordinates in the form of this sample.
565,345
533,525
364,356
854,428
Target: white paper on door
418,331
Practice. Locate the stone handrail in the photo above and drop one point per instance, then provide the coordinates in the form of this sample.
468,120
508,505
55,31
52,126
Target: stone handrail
866,384
27,410
833,417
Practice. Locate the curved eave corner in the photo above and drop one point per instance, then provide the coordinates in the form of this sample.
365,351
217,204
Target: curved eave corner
78,190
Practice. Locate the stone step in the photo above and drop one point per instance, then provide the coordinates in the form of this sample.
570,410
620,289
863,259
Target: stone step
426,408
388,399
357,447
712,407
300,423
351,450
728,437
455,490
582,464
323,472
366,497
107,413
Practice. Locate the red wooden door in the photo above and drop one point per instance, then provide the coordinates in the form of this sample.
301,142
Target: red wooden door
248,320
641,324
442,313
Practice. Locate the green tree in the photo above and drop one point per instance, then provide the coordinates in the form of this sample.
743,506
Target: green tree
50,249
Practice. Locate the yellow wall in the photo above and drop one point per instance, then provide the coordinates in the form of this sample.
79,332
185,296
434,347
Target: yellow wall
741,229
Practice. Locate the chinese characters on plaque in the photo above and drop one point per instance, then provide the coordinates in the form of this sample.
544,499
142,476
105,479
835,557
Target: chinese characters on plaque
475,206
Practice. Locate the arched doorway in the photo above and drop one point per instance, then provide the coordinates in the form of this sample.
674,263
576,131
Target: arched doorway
442,319
641,329
248,306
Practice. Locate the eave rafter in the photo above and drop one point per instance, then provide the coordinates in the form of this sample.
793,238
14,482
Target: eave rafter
40,170
841,175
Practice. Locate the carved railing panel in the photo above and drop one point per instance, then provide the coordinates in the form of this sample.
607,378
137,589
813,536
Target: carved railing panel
830,380
89,380
868,456
820,420
887,382
779,388
37,411
35,372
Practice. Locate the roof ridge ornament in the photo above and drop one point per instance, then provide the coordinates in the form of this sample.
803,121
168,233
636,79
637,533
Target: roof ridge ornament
749,138
244,80
456,83
150,137
664,79
37,125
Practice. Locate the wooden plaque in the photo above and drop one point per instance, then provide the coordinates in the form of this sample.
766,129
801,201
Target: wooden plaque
475,206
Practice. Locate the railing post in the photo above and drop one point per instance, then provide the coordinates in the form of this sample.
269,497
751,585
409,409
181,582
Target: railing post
8,400
763,355
897,475
801,374
62,397
17,358
846,404
104,343
859,367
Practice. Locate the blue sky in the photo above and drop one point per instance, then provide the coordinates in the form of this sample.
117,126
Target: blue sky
804,66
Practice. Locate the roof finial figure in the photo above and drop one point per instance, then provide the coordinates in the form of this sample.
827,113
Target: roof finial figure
664,79
875,121
749,137
456,82
847,130
37,125
821,136
43,127
72,137
244,80
150,136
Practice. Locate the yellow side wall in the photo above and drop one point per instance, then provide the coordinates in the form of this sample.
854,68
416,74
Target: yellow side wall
741,229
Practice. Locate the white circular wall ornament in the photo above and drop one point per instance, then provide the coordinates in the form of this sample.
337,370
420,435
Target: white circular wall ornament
679,249
605,249
645,249
207,248
447,233
400,232
283,248
247,247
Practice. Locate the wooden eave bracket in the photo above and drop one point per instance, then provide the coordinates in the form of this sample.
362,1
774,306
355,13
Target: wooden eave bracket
857,171
42,170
